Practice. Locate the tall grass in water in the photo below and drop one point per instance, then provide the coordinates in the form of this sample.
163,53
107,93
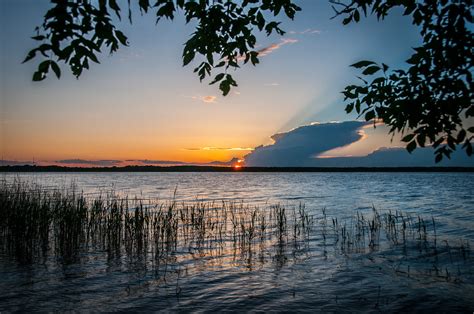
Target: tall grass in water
35,223
409,242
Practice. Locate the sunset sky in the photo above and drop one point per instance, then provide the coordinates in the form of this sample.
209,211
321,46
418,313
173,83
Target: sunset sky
140,103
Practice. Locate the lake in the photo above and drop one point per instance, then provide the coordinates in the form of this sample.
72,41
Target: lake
411,253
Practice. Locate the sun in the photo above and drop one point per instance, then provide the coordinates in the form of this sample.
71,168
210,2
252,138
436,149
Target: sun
238,165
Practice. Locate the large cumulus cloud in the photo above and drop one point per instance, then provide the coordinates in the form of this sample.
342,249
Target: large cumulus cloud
397,157
299,146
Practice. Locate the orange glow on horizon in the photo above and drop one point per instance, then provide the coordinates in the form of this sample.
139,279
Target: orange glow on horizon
238,165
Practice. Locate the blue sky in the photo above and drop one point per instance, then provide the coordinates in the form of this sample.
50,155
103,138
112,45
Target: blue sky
140,103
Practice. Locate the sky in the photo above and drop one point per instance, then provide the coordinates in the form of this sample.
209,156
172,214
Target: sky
141,104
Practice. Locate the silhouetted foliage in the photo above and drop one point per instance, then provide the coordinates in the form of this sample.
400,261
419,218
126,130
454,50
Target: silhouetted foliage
428,102
75,31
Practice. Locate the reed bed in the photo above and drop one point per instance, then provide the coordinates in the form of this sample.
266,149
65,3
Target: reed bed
409,242
37,224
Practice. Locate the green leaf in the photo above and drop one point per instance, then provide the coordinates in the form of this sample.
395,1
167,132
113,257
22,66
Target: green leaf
188,57
438,142
38,76
411,146
113,5
356,16
39,37
371,70
254,58
461,136
30,55
421,140
224,86
469,149
210,58
451,142
362,64
56,70
349,107
369,115
408,138
378,80
218,78
93,57
272,26
44,66
144,5
121,37
260,21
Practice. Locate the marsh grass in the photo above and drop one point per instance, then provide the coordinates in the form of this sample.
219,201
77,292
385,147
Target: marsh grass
37,224
408,242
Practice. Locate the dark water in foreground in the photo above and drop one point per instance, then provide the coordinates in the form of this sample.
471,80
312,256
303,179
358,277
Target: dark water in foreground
319,271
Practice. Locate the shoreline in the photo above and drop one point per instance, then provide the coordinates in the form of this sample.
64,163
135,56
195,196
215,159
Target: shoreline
29,168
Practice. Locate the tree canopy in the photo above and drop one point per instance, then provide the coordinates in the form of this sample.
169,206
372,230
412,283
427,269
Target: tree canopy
429,102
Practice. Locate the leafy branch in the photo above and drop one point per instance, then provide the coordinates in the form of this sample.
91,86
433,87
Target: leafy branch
431,102
74,32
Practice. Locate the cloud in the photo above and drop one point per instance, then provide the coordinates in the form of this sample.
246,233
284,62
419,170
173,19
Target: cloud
147,162
396,157
84,162
308,146
221,148
298,146
271,84
15,163
308,31
231,162
207,99
269,49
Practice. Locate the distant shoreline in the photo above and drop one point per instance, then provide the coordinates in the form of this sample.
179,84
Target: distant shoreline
29,168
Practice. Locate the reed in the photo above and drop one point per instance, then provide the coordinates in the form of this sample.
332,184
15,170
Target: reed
35,222
414,237
38,223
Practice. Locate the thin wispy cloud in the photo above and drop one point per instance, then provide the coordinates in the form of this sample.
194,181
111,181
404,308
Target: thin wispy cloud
269,49
15,162
83,162
129,54
210,99
271,84
220,148
308,31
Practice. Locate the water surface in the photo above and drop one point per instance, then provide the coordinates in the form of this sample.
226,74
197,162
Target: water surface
315,274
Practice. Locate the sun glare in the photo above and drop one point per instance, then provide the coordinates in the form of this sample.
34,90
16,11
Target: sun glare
238,165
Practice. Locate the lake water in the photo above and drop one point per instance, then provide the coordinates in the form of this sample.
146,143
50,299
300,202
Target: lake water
433,273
